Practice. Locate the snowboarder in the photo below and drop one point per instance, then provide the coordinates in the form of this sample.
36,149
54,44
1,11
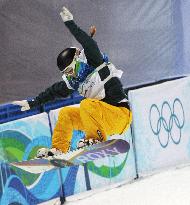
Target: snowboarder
103,112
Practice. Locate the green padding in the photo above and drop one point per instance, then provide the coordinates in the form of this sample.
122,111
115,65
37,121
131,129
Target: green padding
13,151
10,142
107,171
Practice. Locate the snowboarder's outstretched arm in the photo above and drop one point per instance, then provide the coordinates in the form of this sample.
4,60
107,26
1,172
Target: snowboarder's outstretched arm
91,50
57,90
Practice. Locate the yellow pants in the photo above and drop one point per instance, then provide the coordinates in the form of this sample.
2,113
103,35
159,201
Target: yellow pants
96,118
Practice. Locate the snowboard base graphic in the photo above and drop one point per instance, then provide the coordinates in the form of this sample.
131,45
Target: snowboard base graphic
78,157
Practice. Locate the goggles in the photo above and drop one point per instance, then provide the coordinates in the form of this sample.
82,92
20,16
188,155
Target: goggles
70,69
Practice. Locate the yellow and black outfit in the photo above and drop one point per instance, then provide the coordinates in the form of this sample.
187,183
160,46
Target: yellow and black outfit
97,118
103,112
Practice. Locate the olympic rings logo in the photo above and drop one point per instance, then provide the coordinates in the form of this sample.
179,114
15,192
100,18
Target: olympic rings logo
168,122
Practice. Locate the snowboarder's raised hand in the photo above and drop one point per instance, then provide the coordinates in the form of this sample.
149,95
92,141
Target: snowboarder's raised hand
92,30
66,15
23,104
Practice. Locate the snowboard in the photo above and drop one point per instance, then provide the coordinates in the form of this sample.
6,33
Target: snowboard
77,157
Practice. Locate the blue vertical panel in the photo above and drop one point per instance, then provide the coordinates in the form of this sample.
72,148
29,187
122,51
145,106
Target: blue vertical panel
122,167
70,174
116,169
100,173
19,140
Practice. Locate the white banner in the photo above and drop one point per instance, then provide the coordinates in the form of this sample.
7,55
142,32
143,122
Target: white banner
161,125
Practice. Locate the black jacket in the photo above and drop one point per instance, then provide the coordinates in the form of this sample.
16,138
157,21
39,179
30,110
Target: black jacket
113,88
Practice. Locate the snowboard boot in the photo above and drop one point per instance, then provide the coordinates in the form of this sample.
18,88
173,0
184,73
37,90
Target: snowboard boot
45,153
85,143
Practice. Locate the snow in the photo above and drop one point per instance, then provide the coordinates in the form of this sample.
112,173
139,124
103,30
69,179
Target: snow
171,187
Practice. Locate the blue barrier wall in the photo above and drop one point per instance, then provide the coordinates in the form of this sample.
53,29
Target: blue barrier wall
19,140
159,139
